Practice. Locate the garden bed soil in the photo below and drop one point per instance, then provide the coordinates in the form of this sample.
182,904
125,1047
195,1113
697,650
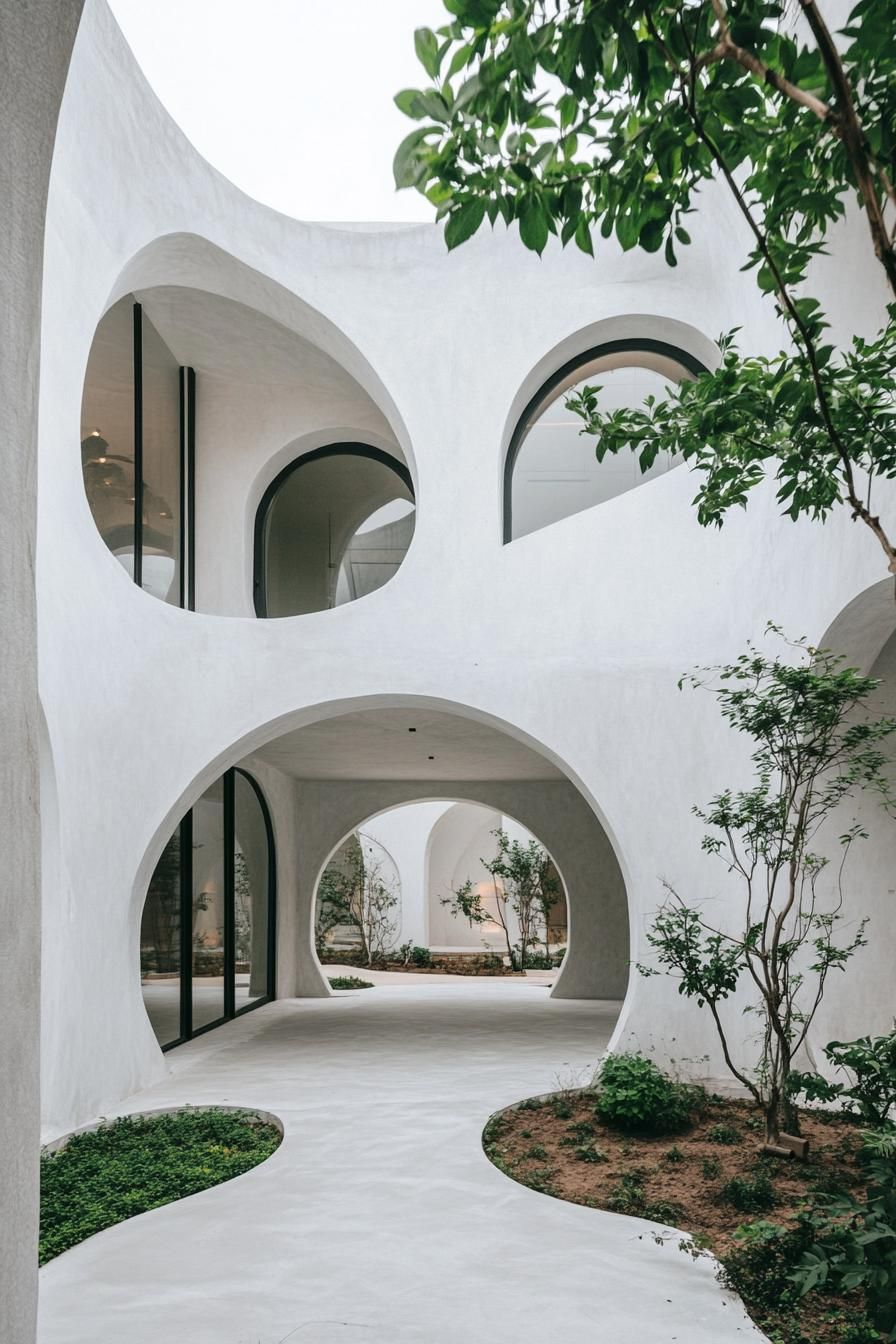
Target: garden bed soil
550,1145
440,966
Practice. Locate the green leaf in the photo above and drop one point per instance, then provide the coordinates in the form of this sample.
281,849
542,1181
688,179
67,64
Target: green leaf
583,236
426,45
533,224
410,103
406,166
463,222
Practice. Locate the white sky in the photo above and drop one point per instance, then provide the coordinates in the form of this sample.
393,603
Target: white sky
290,99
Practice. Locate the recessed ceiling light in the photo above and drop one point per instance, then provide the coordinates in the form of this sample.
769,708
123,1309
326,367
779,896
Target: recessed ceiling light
412,730
430,758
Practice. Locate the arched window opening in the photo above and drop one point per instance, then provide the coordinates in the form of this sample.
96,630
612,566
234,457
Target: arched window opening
207,929
138,450
334,526
551,470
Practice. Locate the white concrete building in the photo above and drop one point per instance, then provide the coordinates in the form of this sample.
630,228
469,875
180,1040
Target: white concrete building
329,547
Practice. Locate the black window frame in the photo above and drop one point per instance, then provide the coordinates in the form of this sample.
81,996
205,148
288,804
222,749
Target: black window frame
185,833
186,542
625,345
259,546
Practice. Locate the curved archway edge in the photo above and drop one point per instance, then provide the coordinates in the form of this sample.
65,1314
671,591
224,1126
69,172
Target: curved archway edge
594,963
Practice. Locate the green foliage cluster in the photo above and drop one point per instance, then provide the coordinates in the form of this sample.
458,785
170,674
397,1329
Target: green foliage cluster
852,1244
524,881
636,1097
870,1092
630,1197
142,1162
760,1268
750,1194
610,116
412,955
814,748
723,1133
349,982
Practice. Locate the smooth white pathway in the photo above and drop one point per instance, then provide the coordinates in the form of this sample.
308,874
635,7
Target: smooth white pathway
379,1220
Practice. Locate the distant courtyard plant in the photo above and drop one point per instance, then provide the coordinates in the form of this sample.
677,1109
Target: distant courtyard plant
349,982
105,1175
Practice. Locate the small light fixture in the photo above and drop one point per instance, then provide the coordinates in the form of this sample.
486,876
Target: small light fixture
412,730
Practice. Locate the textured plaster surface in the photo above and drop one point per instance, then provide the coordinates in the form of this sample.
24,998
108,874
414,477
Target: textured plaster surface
35,43
570,640
379,1218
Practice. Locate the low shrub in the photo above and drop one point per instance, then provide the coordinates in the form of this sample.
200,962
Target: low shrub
630,1197
537,1151
589,1152
142,1162
634,1096
723,1133
349,982
760,1268
852,1244
870,1068
750,1194
561,1108
674,1155
711,1168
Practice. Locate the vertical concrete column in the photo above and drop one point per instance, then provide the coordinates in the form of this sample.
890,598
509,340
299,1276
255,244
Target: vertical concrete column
36,39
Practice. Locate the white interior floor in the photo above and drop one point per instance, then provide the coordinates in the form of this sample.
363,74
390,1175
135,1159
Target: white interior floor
379,1219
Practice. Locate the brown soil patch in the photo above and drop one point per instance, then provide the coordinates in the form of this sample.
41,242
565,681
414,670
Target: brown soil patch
559,1147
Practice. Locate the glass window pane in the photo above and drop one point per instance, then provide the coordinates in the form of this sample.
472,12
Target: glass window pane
329,535
160,967
107,430
251,878
556,472
207,933
161,467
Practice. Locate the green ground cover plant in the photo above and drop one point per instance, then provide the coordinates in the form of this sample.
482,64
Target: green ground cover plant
138,1163
349,982
634,1096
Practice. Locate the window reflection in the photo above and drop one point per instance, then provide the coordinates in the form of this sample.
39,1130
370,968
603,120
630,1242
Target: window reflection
207,929
135,459
334,526
160,943
223,912
553,468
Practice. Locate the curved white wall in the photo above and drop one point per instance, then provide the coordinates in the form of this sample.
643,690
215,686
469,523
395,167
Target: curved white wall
574,636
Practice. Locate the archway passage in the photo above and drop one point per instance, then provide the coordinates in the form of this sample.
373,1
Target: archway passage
333,526
551,470
207,931
350,772
451,887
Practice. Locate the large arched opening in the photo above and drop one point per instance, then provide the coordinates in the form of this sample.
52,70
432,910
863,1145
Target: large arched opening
453,886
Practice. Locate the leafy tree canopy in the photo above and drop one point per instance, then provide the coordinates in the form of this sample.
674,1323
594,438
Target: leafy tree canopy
607,116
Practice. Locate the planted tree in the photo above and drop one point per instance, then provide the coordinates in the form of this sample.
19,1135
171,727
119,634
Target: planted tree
814,748
523,884
611,115
355,890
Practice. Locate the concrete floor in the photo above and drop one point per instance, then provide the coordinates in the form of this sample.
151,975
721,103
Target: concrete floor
379,1219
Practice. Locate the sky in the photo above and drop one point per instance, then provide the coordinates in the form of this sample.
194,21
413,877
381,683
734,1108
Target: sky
290,99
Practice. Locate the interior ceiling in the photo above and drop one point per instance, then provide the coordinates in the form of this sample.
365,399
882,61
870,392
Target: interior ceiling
225,339
378,744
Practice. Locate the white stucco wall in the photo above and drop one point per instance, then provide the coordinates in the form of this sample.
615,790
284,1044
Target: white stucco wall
570,639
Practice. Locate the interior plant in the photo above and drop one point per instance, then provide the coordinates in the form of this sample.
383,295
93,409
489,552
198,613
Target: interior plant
814,747
609,117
